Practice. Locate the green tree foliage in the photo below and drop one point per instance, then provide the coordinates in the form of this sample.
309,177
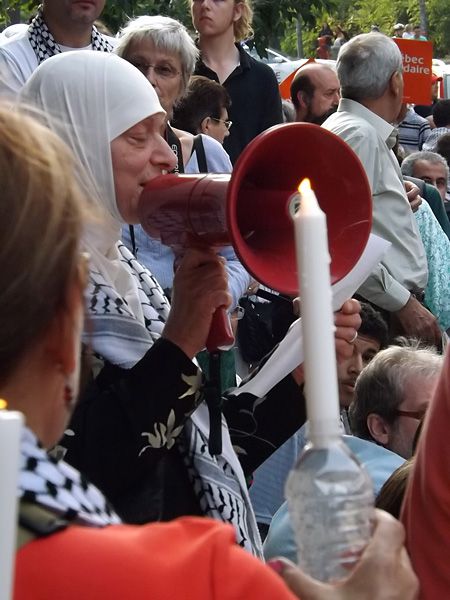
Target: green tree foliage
115,13
357,16
439,26
274,20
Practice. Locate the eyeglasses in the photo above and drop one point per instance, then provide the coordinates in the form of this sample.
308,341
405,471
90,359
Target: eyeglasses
161,71
227,123
413,414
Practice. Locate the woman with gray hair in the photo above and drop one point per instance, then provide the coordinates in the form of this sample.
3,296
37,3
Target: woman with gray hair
162,49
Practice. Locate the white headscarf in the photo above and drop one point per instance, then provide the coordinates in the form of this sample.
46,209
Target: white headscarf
90,98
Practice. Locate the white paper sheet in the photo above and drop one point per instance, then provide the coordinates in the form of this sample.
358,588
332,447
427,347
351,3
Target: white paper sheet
289,353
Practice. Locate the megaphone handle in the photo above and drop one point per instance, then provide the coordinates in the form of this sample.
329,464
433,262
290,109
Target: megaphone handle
220,335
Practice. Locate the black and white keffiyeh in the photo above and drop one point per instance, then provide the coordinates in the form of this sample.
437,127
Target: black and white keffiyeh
60,487
116,334
122,327
218,483
44,45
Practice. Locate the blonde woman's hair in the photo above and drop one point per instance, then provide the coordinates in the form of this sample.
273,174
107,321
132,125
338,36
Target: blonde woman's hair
41,217
243,27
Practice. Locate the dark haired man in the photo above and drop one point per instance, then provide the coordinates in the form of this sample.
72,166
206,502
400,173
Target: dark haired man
315,93
59,26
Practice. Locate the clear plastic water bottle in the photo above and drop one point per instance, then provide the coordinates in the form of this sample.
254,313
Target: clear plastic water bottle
331,505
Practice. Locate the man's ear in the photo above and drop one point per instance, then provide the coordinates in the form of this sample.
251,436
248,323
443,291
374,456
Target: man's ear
378,428
395,83
302,100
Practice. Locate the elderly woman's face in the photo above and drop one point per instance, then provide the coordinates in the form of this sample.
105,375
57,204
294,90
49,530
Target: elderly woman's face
162,69
138,155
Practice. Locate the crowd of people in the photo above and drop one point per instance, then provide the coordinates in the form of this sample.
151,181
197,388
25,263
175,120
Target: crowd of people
330,40
123,491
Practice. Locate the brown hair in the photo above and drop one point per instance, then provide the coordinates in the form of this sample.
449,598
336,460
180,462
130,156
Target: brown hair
40,227
203,98
390,497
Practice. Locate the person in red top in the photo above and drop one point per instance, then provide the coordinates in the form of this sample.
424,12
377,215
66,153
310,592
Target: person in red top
426,507
83,552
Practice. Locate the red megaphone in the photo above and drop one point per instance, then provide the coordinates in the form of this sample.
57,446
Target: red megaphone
250,208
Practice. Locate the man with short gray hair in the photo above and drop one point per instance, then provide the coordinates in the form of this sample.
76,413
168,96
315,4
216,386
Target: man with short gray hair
392,394
369,69
428,166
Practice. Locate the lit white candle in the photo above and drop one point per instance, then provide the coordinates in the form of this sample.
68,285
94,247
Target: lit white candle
10,432
313,264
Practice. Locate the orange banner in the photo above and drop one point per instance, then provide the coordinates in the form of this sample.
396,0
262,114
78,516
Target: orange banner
417,62
285,85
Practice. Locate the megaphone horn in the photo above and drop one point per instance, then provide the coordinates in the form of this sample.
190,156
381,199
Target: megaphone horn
251,208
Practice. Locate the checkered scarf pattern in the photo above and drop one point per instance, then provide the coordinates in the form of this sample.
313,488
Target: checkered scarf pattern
59,487
44,45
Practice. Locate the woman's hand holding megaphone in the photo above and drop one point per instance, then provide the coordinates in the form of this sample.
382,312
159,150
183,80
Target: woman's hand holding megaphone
347,322
200,286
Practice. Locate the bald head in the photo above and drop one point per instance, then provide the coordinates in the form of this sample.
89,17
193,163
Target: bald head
315,93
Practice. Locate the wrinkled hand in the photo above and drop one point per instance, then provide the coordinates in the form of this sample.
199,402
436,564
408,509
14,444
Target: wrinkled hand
417,321
413,194
200,286
383,572
347,322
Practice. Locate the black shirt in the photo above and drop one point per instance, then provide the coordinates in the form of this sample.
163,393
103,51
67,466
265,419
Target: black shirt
256,102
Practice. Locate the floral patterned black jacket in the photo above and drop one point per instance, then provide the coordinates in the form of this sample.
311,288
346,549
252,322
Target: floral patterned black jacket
123,434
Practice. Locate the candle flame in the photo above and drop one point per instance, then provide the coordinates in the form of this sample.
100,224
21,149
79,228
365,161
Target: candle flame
3,404
304,185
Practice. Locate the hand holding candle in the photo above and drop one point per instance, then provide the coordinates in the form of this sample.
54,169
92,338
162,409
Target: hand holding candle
329,495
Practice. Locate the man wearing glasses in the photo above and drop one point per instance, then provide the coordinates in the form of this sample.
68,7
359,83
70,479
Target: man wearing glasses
392,395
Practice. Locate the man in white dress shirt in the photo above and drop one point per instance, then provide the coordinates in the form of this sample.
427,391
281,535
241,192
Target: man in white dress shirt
369,68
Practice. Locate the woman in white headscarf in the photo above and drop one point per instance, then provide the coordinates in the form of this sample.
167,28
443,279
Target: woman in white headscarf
132,433
141,429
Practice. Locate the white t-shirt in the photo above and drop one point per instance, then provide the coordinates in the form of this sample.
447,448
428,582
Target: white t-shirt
18,61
